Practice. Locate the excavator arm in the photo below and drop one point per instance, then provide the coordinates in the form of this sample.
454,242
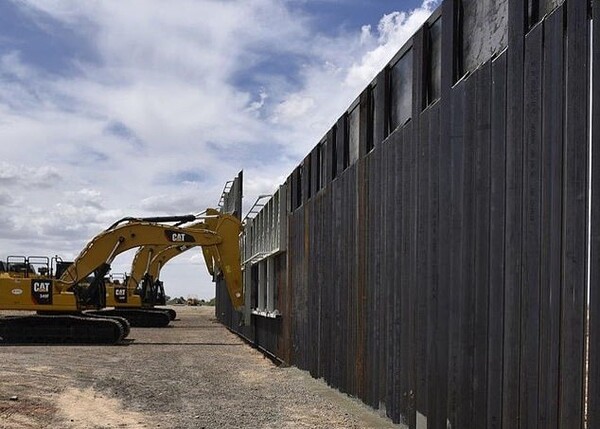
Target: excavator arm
218,258
164,255
215,257
150,259
101,251
142,262
210,256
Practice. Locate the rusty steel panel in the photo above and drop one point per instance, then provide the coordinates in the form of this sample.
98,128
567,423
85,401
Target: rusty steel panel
387,276
370,372
481,224
594,310
575,210
421,221
350,266
436,329
496,250
457,237
513,225
530,292
378,233
423,271
338,372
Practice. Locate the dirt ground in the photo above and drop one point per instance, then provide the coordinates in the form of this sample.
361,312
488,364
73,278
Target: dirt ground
194,374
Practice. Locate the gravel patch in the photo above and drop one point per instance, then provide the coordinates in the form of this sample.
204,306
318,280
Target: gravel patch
194,374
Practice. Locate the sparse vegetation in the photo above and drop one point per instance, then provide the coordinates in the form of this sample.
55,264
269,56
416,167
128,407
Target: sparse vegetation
191,301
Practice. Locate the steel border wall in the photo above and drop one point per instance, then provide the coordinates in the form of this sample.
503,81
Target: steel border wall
443,275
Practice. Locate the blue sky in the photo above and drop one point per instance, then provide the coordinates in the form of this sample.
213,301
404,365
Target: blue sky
147,107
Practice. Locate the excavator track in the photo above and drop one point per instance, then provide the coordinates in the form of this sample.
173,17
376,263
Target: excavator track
172,313
139,317
120,320
72,329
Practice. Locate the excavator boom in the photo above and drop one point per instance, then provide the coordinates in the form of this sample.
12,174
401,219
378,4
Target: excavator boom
146,259
222,240
107,245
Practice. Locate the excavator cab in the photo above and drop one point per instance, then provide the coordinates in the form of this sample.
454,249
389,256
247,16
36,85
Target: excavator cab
158,293
117,278
28,266
152,291
91,291
59,266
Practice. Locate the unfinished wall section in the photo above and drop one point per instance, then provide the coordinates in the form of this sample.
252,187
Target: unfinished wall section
231,202
264,268
264,244
436,257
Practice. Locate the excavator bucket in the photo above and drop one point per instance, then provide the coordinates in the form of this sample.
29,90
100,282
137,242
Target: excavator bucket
227,256
209,260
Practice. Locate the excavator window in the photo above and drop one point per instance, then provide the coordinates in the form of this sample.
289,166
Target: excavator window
26,266
21,267
16,264
61,267
39,265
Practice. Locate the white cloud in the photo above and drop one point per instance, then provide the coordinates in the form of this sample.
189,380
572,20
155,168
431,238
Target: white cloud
294,107
7,200
182,199
339,69
168,88
393,31
12,175
11,65
255,106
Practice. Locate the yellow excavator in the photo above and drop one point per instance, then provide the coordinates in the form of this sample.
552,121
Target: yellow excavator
60,297
142,290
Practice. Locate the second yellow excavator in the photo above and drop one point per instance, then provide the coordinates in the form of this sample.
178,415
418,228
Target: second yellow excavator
141,291
136,297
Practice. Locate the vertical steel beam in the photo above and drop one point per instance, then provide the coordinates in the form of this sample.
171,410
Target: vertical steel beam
551,242
594,312
575,210
517,19
438,390
497,248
